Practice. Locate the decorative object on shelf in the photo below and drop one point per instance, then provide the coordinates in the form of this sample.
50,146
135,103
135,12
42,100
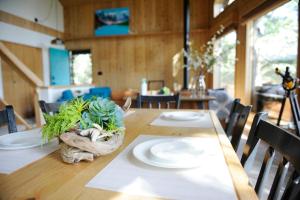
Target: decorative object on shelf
200,62
113,21
87,129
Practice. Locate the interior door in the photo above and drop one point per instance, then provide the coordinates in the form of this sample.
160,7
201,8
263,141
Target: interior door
59,67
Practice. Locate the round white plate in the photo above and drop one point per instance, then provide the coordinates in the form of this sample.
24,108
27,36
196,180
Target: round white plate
21,140
181,116
169,153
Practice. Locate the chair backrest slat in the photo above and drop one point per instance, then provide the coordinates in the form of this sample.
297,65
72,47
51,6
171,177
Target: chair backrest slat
296,111
237,121
158,100
49,108
7,116
251,137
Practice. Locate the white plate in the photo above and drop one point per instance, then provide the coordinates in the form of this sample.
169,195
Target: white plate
181,116
170,153
21,140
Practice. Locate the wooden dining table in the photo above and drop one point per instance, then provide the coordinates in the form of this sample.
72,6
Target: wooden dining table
50,178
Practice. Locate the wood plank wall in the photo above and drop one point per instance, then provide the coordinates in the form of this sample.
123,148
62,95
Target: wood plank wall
18,91
156,35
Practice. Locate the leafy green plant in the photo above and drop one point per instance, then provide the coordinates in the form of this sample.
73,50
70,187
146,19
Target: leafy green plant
67,118
80,114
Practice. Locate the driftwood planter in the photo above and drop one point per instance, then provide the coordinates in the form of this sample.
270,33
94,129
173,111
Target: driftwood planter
84,145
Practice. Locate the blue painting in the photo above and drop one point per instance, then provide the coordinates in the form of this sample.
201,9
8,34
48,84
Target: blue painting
112,22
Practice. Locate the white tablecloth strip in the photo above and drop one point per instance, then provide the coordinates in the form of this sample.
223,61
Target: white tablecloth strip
128,175
12,160
204,121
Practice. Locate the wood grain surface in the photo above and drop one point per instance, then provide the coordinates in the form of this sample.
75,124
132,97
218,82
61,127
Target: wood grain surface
50,178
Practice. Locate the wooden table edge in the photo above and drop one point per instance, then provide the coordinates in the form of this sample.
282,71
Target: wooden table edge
239,177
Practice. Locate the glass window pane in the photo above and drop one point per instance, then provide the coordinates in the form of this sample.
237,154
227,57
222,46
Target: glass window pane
275,40
224,68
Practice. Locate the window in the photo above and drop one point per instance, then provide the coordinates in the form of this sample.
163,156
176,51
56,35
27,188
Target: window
220,5
273,40
224,68
274,43
81,67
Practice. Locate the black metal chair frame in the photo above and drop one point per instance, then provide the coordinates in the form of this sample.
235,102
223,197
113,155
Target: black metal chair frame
288,146
237,120
158,99
49,108
7,116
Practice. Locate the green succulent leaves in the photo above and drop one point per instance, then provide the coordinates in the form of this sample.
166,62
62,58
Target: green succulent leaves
80,114
103,112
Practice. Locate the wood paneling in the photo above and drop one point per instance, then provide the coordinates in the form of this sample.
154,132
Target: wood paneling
156,35
18,91
145,16
24,23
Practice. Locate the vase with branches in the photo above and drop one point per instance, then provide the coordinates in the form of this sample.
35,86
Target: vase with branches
199,61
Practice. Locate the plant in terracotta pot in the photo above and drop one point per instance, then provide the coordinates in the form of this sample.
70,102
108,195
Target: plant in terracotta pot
87,129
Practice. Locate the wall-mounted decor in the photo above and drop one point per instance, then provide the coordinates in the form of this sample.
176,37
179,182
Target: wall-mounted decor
112,21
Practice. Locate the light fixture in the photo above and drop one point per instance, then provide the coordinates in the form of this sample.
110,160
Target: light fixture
57,40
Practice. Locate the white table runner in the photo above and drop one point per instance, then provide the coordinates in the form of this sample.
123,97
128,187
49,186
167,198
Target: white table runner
12,160
204,121
128,175
129,112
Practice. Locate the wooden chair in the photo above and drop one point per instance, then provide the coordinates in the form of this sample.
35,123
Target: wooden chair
7,116
49,108
259,116
236,123
159,99
288,146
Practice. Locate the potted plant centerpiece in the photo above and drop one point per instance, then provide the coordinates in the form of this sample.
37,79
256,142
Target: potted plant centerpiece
86,129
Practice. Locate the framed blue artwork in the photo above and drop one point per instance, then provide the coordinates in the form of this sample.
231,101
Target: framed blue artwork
113,21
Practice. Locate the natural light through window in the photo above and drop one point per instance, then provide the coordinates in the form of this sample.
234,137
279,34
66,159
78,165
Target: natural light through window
224,68
275,39
82,68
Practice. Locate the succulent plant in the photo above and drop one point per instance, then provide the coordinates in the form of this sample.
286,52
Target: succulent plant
83,115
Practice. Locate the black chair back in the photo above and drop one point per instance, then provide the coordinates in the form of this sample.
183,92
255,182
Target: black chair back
49,108
246,153
237,121
296,111
7,116
288,145
158,100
